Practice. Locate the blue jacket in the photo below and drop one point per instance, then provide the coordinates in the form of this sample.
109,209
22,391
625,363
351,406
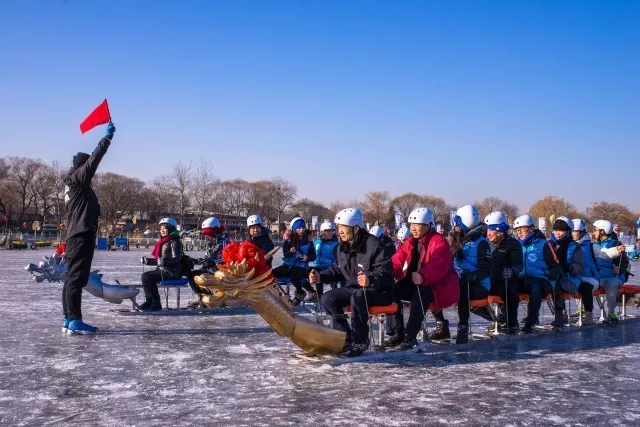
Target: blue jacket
605,265
325,252
590,269
571,259
294,259
538,258
475,256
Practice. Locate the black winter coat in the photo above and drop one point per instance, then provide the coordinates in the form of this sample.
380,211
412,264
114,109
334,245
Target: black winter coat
367,255
81,201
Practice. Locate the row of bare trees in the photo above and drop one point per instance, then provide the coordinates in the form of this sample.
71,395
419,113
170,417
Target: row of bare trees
30,185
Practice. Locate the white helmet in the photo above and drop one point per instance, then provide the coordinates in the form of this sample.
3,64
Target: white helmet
403,233
168,221
377,231
350,217
603,224
467,217
497,221
566,220
254,220
579,225
327,225
524,221
210,223
421,216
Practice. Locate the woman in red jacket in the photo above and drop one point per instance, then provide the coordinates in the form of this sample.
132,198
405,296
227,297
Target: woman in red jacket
424,273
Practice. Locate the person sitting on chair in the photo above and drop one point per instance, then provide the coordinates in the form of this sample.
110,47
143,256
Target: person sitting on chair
167,256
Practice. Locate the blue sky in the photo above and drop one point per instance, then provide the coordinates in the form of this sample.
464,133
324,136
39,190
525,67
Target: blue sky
465,99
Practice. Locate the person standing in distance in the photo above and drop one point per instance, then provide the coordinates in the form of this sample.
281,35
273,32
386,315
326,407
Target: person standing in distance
83,211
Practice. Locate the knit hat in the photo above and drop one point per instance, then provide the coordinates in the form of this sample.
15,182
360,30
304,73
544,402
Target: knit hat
79,160
561,225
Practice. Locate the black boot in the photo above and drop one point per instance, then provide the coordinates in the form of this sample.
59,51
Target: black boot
462,336
146,304
441,332
396,339
156,305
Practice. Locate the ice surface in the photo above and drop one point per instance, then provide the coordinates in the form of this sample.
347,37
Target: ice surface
233,370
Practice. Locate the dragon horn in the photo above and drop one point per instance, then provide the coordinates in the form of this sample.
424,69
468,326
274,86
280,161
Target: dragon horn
260,278
250,274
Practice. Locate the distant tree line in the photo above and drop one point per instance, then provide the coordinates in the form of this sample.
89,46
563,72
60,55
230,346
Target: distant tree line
33,186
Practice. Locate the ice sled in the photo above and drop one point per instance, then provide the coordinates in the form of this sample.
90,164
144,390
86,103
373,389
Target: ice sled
54,270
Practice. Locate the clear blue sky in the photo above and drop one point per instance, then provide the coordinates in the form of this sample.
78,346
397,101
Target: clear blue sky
465,99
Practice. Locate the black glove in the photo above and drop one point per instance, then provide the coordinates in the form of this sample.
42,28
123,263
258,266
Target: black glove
147,261
507,273
469,276
553,276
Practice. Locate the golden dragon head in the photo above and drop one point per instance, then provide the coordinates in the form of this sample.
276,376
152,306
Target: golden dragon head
233,282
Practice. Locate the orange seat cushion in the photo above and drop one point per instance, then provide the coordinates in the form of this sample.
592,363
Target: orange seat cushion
377,310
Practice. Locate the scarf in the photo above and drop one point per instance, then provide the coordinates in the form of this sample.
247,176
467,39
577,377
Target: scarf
562,246
158,247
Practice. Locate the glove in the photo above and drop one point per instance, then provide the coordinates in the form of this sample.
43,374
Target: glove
507,272
469,276
111,129
553,277
200,261
143,260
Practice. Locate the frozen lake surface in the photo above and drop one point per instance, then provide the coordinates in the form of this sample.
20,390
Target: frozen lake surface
233,370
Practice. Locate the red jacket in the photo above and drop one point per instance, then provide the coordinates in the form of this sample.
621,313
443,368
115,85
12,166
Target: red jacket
435,266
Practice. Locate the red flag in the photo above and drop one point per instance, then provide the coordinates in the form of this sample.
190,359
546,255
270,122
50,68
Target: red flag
99,116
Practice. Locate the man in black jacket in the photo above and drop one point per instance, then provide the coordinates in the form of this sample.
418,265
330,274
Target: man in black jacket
506,264
83,211
361,262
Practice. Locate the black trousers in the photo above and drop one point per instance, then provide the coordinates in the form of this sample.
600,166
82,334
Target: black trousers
335,300
296,274
150,281
586,291
469,291
195,288
407,291
79,255
537,289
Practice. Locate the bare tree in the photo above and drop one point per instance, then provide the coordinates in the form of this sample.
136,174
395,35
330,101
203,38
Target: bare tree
281,194
614,212
44,187
181,186
308,208
59,207
406,203
493,204
23,173
234,196
551,205
257,201
7,188
377,207
119,196
204,188
438,206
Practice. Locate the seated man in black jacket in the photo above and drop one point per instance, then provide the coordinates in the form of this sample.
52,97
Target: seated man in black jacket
361,262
